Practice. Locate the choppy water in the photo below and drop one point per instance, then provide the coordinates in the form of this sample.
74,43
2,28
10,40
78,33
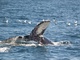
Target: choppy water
18,17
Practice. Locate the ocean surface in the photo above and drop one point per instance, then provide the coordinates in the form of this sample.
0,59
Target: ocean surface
19,17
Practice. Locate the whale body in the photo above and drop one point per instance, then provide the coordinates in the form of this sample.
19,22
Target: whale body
35,35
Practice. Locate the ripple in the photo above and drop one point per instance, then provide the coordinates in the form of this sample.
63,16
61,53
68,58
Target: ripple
75,35
73,48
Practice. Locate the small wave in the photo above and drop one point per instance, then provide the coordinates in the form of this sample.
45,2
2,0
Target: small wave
73,48
75,35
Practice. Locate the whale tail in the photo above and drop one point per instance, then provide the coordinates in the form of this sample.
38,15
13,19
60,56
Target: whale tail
37,33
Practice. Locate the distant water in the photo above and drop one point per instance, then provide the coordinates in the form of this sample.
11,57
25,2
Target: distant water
18,17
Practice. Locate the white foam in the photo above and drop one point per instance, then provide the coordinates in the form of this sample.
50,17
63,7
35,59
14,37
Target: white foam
4,49
0,41
68,23
25,21
76,22
54,20
61,43
19,20
29,22
7,21
31,44
56,43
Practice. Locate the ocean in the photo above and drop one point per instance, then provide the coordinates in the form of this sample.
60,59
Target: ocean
19,17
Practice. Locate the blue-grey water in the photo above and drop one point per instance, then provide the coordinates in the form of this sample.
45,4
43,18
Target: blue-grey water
19,17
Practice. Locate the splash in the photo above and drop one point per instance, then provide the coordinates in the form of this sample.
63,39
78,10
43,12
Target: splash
61,43
4,49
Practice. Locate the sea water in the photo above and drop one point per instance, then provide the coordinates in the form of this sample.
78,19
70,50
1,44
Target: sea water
19,17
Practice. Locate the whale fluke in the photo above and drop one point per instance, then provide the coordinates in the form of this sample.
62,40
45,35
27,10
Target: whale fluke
40,28
37,33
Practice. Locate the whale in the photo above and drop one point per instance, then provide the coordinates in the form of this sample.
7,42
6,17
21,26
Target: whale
36,35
